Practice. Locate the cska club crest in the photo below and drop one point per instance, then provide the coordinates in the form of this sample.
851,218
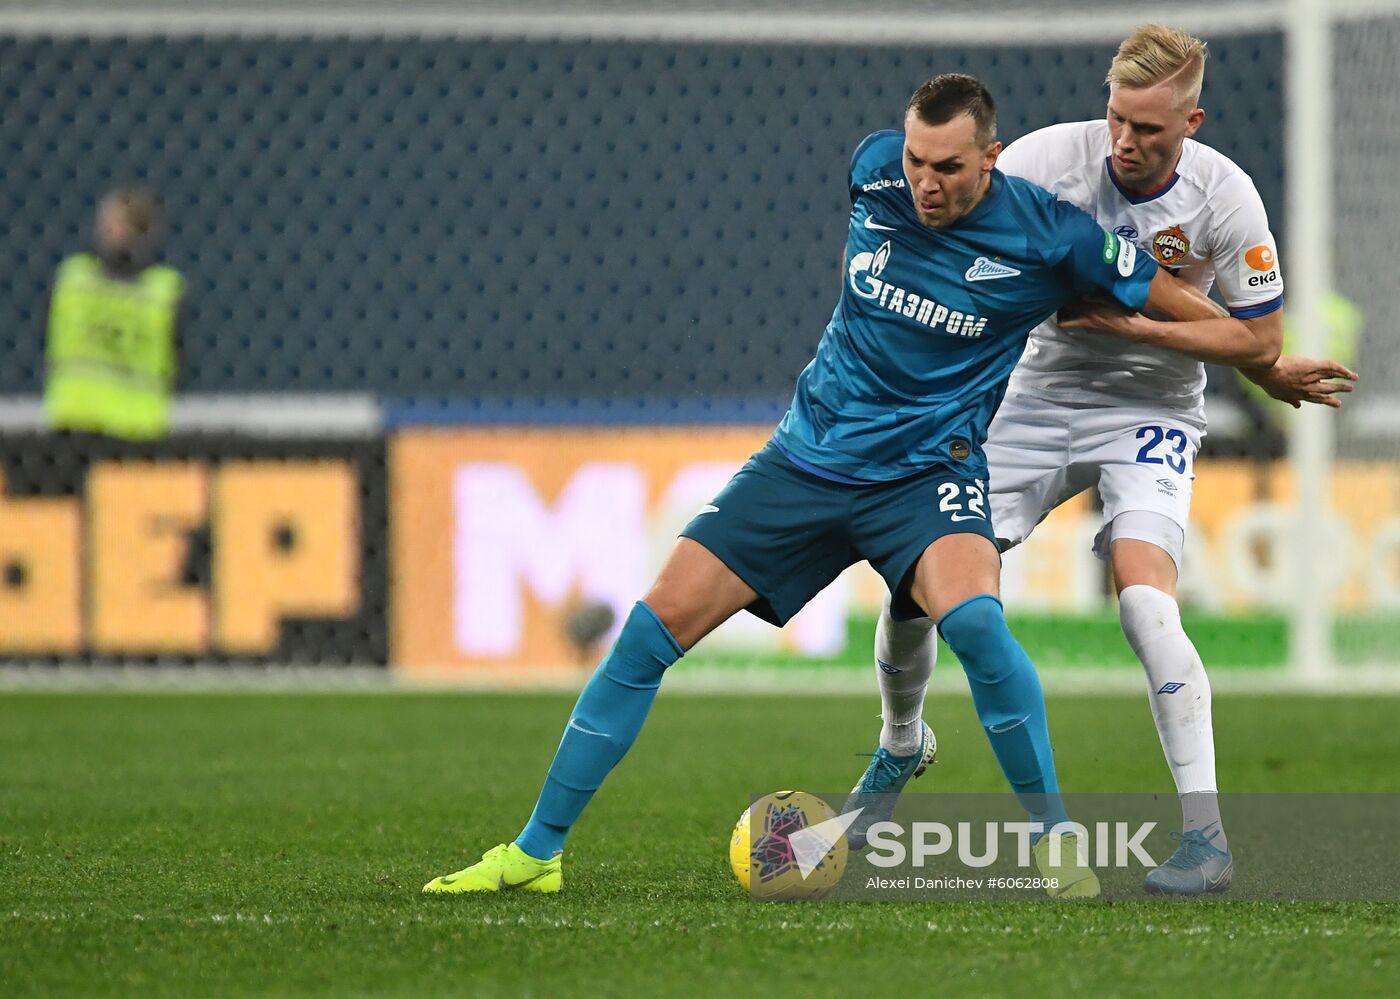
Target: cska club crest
1170,246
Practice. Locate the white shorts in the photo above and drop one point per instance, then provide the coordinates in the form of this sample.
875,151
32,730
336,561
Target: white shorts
1041,452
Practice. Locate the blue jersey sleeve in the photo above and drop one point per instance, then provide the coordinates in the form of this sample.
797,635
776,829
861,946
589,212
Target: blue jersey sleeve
874,152
1097,262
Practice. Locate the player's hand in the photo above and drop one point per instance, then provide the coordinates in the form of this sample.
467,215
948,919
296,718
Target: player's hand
1102,317
1296,380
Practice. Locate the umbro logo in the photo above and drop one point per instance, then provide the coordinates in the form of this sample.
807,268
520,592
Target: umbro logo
870,223
1170,688
983,269
887,668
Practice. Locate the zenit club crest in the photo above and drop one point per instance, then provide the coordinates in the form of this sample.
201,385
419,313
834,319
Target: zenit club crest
1170,246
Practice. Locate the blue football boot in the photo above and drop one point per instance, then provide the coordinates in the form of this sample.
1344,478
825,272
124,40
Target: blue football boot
1195,868
878,789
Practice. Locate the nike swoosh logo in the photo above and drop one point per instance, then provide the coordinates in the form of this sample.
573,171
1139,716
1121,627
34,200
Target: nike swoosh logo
967,516
708,508
1215,883
587,731
504,884
1000,730
870,223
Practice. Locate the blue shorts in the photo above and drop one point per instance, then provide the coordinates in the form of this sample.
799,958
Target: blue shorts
788,532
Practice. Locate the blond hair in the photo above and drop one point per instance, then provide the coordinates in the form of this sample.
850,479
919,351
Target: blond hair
1156,54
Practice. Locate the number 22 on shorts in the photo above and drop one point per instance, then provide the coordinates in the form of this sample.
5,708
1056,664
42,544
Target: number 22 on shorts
951,497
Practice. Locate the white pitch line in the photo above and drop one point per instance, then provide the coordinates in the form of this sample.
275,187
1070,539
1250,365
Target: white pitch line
756,681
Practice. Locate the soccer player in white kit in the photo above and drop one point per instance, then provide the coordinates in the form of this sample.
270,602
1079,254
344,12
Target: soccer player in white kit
1125,412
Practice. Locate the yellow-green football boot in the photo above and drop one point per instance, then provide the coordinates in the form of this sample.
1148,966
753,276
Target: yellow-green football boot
1069,878
502,868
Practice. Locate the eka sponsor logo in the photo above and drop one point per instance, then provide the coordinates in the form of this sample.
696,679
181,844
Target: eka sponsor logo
1264,262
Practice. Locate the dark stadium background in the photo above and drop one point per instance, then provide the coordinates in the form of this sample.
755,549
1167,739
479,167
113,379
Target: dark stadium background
505,227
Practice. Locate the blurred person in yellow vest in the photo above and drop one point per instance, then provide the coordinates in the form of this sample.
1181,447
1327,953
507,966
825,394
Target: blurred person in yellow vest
114,323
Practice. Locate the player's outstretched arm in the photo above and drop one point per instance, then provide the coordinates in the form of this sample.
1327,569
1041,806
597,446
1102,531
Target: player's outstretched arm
1291,379
1196,326
1296,380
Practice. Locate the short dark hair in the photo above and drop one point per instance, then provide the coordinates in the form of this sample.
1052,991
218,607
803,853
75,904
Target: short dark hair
952,95
142,207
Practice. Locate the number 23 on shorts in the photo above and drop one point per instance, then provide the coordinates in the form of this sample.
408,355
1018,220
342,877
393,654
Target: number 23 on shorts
1173,445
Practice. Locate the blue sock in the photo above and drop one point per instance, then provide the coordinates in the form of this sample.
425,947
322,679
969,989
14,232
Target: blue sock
603,726
1010,705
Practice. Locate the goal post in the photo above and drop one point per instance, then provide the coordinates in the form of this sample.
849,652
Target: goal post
1308,65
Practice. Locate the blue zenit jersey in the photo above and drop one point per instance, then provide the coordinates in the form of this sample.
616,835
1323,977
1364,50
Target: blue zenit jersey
931,322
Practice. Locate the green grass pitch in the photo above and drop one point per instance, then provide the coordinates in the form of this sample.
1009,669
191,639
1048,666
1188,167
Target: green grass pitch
275,844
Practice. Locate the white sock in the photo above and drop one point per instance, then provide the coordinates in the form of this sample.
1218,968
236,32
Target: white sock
1180,697
904,656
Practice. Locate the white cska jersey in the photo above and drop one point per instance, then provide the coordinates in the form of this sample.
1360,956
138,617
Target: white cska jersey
1206,225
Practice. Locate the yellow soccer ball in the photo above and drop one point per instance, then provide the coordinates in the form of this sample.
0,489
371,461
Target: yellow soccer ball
770,865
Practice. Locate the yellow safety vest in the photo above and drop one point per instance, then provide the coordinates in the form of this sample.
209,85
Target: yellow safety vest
111,350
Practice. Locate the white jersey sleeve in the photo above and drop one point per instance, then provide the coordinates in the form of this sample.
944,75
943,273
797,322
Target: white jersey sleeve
1047,154
1243,250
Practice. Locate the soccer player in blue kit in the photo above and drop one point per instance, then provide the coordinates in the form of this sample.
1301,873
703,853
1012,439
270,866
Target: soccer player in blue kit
949,264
